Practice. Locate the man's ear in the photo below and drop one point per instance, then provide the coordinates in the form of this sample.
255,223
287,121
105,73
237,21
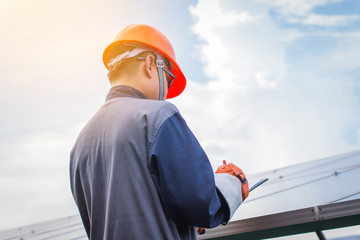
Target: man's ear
149,61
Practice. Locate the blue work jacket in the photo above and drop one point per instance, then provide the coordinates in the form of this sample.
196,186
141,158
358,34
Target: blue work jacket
138,172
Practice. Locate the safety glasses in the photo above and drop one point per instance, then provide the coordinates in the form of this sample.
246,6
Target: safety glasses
169,75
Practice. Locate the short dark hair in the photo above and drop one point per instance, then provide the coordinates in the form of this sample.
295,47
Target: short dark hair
126,66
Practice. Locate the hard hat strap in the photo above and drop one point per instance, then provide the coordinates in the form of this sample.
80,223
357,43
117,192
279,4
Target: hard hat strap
126,55
160,66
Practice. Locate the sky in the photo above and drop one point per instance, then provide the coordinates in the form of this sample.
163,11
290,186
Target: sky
271,83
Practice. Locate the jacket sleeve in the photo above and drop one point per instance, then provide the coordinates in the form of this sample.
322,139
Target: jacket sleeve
185,177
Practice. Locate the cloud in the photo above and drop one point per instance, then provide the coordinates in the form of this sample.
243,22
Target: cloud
36,176
216,16
296,7
301,12
223,49
324,20
260,109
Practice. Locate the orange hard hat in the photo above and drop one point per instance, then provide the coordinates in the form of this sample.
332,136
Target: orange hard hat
153,38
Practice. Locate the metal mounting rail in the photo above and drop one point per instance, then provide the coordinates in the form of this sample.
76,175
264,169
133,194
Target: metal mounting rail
312,219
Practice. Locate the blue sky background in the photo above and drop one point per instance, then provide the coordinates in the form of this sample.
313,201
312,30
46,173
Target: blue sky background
270,84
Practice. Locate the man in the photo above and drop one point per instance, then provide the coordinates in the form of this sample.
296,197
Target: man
136,170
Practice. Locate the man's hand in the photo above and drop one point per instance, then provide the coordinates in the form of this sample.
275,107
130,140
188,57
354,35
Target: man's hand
232,169
237,172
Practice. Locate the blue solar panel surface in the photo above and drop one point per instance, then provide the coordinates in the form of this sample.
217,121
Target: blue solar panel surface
308,184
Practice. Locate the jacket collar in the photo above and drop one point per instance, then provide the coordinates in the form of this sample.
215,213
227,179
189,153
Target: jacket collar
124,91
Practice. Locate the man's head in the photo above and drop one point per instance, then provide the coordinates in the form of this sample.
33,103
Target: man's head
142,68
141,52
